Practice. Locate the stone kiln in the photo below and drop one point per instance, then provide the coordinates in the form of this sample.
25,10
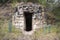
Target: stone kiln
29,17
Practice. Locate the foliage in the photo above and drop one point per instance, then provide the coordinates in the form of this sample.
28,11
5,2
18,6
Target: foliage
56,12
43,2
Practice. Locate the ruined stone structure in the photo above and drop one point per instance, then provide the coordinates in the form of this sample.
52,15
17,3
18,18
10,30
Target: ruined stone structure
29,17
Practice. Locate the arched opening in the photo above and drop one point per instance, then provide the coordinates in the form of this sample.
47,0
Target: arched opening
28,21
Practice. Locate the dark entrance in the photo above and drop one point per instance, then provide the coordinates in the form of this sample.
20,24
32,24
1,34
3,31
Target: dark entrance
28,21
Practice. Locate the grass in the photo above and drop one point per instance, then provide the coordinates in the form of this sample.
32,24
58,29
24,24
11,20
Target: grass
16,31
14,2
4,30
55,29
47,30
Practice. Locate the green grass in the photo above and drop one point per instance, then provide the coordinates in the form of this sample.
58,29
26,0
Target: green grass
16,31
4,30
47,30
